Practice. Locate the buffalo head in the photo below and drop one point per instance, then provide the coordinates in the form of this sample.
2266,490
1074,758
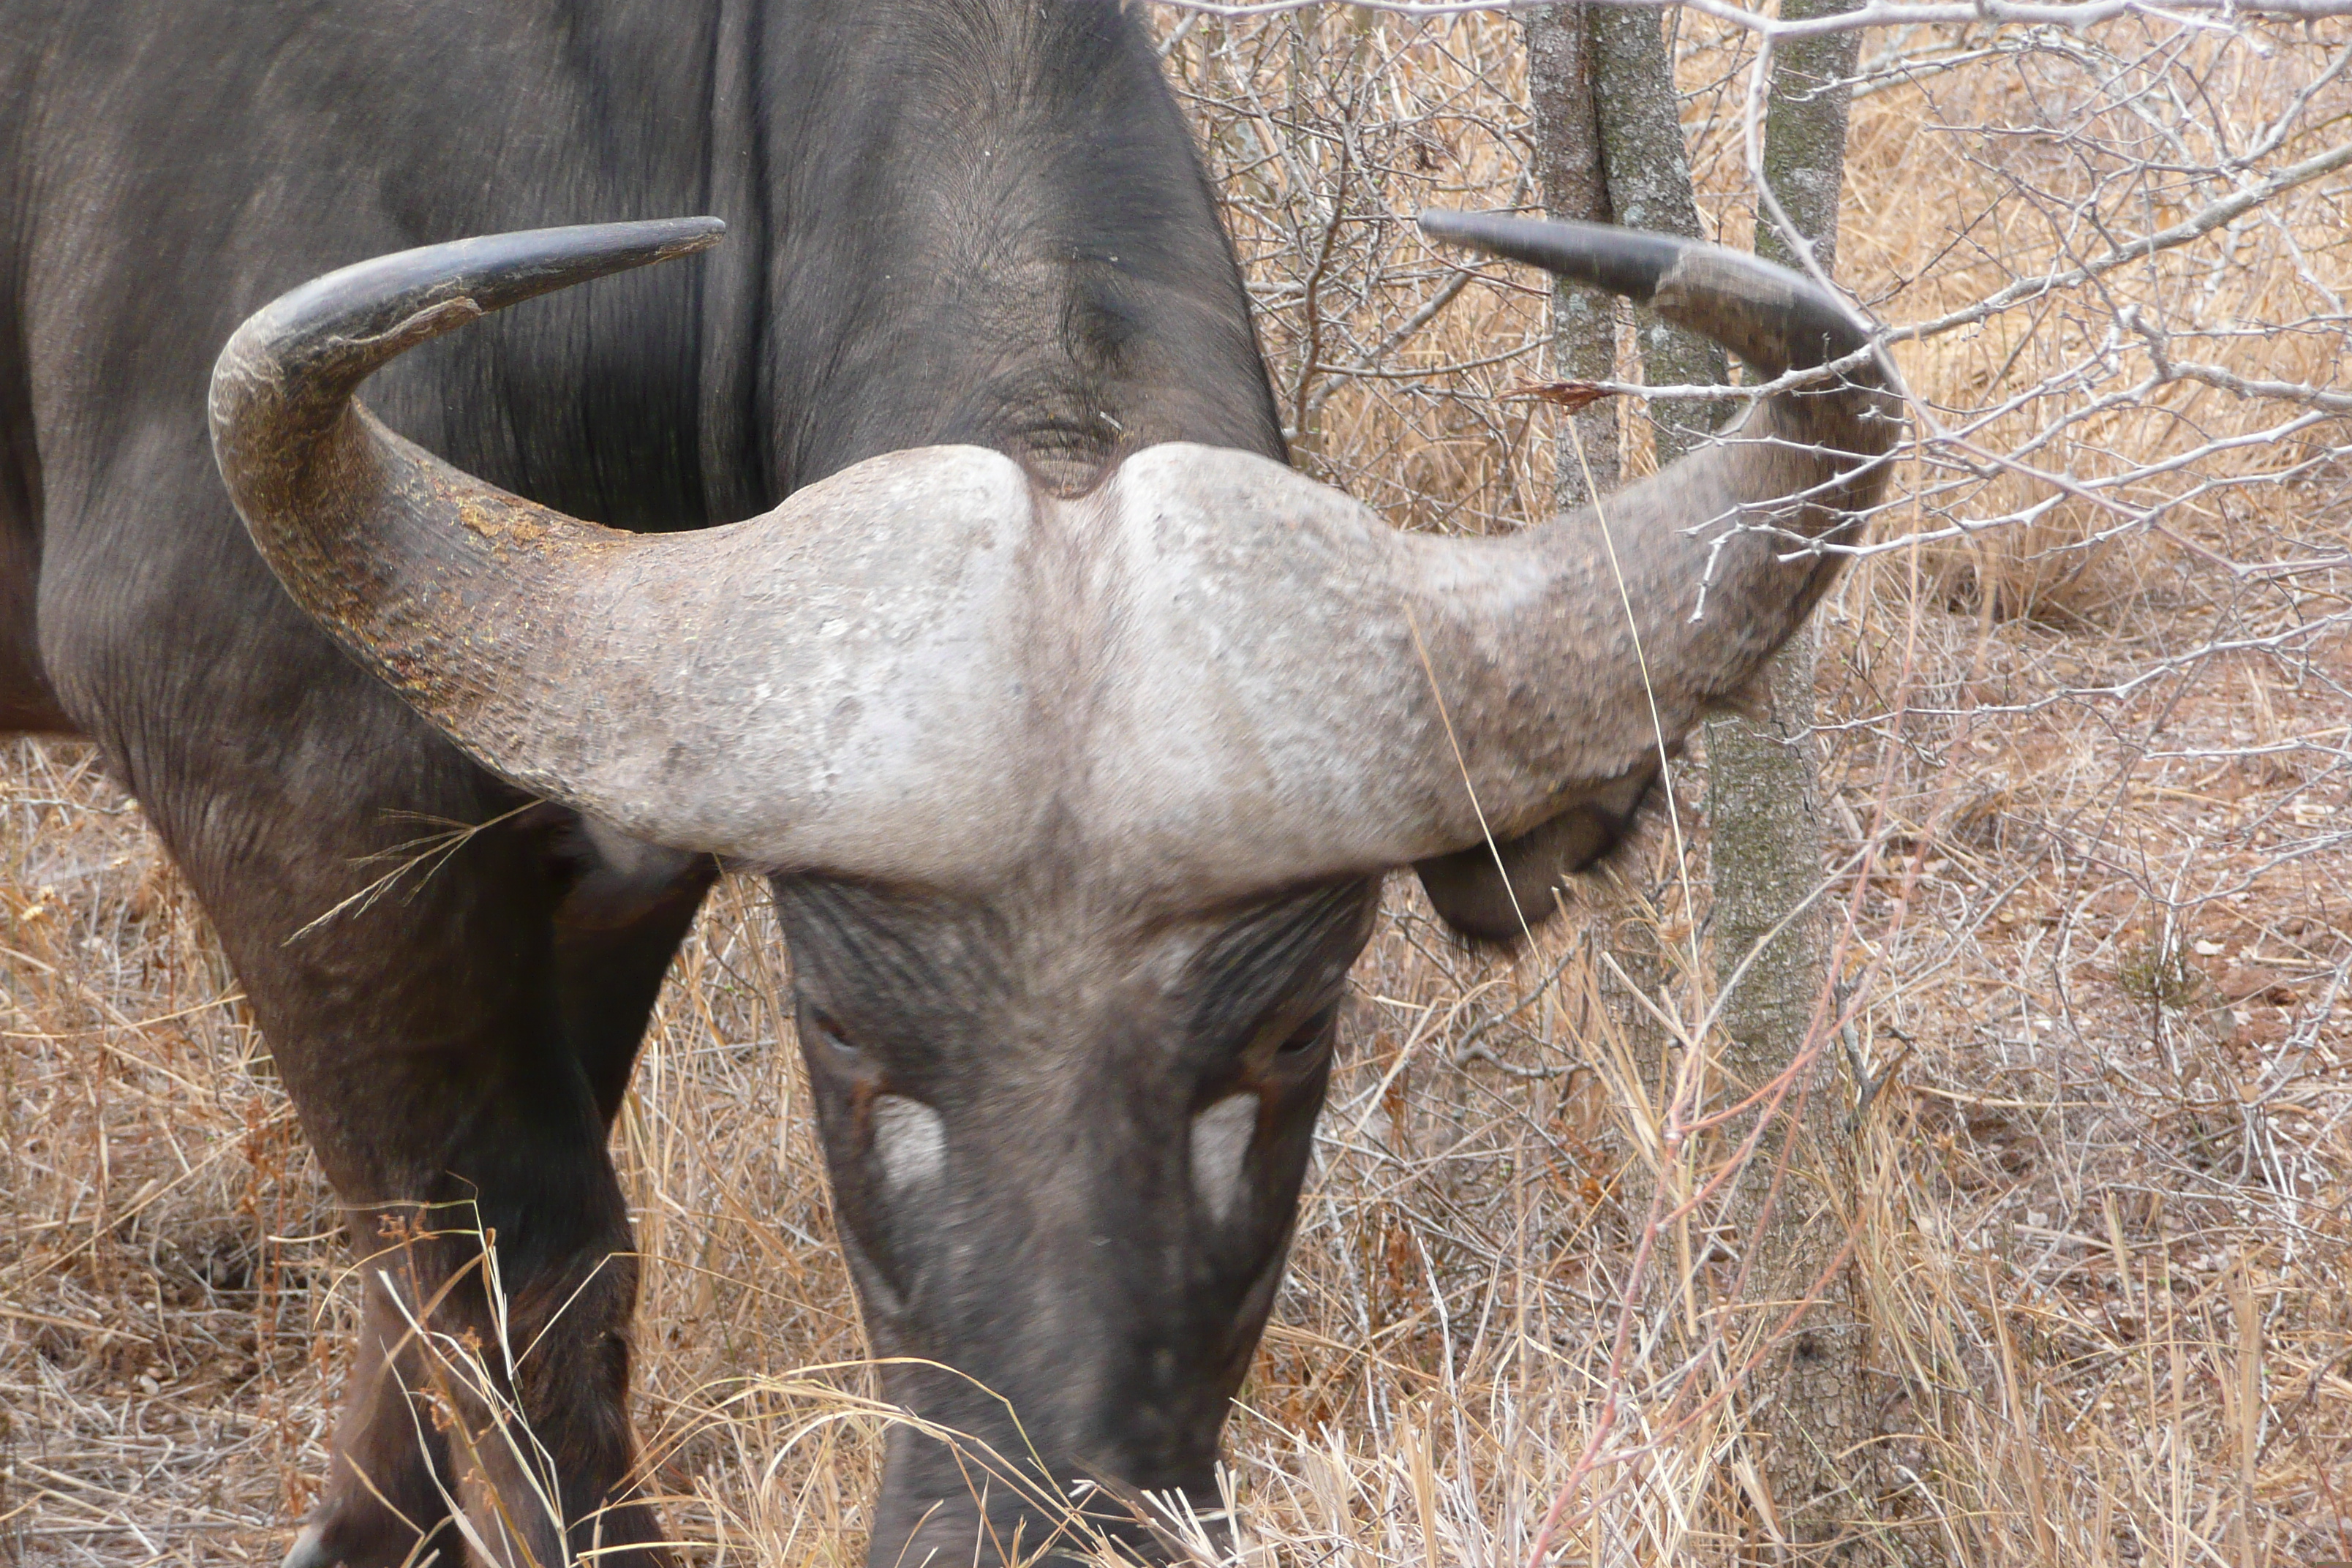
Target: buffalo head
1074,806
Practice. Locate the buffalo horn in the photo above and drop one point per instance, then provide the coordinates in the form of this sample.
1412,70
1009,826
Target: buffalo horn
1570,655
771,689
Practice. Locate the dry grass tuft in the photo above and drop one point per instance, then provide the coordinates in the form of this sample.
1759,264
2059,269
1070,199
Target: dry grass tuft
2085,744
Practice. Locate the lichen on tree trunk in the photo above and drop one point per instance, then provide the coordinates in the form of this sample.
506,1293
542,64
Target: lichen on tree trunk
1609,149
1648,173
1568,166
1812,1402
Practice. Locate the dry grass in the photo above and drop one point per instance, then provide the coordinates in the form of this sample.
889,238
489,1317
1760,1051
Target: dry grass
2088,809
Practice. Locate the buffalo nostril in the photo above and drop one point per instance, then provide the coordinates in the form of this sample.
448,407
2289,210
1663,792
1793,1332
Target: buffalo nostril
1221,1141
909,1139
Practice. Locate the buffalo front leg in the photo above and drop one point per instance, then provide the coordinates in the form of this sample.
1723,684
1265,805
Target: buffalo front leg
393,917
493,1372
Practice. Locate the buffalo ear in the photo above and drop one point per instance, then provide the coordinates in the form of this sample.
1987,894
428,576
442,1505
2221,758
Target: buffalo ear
1469,889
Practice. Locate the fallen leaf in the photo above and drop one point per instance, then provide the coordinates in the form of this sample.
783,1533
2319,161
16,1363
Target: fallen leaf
1573,396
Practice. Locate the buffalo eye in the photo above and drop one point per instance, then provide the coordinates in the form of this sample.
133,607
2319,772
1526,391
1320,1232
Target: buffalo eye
821,1028
1309,1036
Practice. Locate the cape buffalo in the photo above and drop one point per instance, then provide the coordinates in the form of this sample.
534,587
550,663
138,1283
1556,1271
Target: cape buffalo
1074,729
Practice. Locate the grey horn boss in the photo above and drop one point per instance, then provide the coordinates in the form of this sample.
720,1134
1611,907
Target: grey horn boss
932,695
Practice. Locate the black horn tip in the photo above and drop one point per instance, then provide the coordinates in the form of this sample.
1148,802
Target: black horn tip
314,343
1771,317
494,271
1625,261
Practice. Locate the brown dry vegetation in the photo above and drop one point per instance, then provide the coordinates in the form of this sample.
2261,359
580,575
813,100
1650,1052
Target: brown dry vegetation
2087,746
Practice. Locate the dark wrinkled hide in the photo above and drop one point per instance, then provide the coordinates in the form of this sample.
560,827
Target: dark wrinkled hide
979,222
1498,892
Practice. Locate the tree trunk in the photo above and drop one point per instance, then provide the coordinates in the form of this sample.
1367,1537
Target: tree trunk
1813,1394
1609,147
1647,170
1566,76
1568,165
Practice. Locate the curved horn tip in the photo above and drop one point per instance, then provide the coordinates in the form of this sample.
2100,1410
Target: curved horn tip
329,334
502,270
495,270
1772,316
1628,261
693,234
